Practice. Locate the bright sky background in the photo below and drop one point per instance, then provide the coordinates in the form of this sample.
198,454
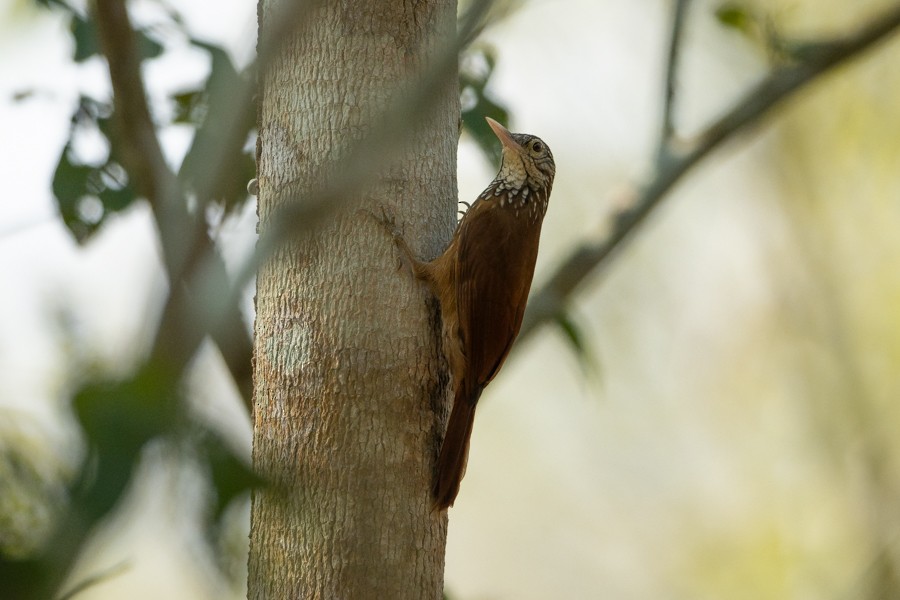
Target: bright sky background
576,487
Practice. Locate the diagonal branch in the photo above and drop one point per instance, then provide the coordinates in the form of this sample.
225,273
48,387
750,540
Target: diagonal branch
369,155
194,254
142,153
548,302
186,243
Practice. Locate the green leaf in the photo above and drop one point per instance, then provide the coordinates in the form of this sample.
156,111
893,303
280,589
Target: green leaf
478,104
231,477
70,184
477,127
115,200
87,43
119,418
572,333
578,343
20,577
735,16
147,46
85,34
190,107
209,108
87,194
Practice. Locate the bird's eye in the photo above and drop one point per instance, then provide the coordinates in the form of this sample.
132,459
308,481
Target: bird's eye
537,146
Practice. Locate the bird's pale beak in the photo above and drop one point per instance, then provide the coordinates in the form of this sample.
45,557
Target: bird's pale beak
503,134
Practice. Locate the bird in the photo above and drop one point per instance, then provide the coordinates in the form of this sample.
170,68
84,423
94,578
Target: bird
481,281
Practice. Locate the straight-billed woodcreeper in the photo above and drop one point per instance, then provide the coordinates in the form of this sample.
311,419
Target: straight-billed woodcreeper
481,282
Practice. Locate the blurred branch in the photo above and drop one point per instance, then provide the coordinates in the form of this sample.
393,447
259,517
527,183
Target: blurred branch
303,212
369,155
290,19
144,155
190,250
679,157
185,241
179,335
668,128
96,579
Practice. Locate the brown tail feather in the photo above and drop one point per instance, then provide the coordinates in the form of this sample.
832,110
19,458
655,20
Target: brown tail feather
451,463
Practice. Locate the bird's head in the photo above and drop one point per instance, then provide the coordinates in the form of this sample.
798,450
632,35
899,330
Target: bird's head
526,160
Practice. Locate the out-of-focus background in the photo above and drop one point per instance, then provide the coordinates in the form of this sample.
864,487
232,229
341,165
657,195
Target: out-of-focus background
733,430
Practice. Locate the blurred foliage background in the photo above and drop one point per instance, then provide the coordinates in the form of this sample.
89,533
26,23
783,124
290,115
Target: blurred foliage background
726,426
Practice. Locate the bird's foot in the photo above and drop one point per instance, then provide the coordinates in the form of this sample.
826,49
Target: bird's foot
386,219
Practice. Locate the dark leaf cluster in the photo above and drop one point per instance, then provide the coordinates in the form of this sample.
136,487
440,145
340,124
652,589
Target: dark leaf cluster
87,192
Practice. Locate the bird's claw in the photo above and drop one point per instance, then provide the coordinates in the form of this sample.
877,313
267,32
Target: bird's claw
387,220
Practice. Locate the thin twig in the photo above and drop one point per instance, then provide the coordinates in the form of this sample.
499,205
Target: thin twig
550,300
668,127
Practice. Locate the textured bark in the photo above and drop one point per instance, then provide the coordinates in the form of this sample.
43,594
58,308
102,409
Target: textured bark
349,384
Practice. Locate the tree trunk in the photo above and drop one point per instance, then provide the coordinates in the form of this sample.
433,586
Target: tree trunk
349,380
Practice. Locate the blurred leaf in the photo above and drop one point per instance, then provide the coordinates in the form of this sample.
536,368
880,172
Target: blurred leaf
85,34
53,3
116,195
20,577
572,333
231,480
190,107
230,476
84,31
119,418
70,184
87,194
208,109
578,342
147,46
736,17
477,104
752,25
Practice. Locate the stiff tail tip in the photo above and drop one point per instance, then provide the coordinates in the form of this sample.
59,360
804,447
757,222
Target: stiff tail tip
451,463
